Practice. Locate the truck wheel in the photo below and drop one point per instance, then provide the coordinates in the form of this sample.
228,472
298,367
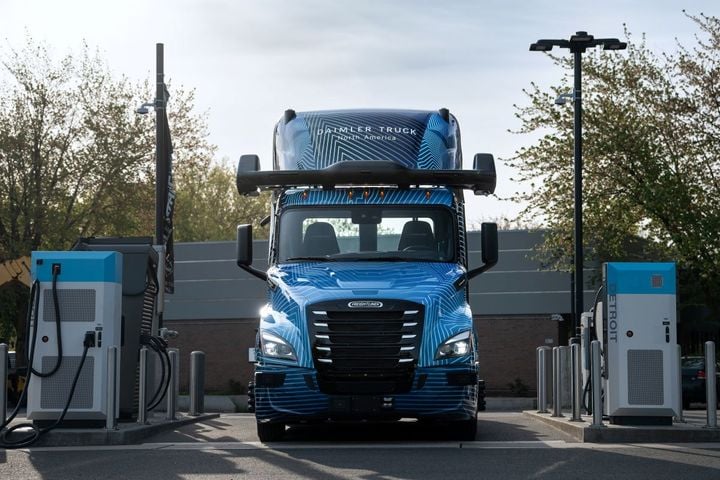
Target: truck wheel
270,432
464,430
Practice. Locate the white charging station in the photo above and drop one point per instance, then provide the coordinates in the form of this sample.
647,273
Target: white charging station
88,287
640,343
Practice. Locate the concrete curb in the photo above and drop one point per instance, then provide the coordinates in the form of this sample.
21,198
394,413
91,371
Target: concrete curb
127,433
584,431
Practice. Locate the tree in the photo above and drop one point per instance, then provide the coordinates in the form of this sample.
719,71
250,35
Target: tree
76,160
209,206
651,152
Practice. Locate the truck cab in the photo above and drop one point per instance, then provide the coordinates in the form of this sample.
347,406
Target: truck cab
367,315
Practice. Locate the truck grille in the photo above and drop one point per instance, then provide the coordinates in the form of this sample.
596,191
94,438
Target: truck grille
367,350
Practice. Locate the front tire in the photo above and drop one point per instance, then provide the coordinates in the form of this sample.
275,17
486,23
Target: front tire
270,432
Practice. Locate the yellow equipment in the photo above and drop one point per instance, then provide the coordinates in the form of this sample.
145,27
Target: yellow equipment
17,270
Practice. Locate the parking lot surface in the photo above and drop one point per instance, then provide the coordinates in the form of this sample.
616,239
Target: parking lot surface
508,446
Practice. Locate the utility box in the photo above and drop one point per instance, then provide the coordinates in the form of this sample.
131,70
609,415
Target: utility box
640,343
85,288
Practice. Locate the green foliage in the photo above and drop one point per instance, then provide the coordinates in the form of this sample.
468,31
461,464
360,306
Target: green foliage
210,208
13,301
70,149
76,160
651,141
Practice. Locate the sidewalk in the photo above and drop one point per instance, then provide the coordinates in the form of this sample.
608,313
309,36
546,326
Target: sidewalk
691,431
126,433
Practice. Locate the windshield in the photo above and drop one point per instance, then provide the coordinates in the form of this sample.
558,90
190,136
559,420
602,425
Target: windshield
367,233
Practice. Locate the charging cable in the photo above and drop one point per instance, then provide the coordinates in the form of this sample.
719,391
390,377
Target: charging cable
88,341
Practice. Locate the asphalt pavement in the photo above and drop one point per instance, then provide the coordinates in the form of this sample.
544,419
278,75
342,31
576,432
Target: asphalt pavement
508,446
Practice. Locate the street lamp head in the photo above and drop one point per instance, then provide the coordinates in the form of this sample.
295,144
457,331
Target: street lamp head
563,98
143,109
546,45
581,37
613,44
540,47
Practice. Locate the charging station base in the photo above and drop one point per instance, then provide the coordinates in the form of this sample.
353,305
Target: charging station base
641,420
85,423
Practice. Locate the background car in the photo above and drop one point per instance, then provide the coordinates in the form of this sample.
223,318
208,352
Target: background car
693,380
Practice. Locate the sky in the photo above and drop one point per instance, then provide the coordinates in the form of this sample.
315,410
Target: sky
249,61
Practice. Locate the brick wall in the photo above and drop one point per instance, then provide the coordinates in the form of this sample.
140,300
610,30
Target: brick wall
225,343
507,349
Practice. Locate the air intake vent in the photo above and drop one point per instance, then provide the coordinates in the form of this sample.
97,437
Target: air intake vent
76,305
645,377
365,347
56,389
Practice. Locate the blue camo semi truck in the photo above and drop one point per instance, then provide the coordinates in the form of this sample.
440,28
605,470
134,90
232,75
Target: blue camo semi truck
367,315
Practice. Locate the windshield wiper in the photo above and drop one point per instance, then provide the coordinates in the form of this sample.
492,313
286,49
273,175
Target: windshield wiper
310,259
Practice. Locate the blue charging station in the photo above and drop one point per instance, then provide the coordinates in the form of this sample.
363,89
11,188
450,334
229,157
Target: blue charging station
76,306
639,336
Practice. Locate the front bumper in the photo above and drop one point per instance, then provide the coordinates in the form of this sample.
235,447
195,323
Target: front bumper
292,395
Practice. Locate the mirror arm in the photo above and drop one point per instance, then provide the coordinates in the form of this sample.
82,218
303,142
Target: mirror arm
255,272
477,271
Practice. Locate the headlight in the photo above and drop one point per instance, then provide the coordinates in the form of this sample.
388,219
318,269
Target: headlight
456,346
276,347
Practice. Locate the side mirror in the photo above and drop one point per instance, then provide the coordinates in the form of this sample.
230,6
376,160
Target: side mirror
489,245
248,163
484,162
244,245
244,252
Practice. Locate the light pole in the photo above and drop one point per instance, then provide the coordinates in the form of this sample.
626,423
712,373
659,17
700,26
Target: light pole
164,189
577,44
